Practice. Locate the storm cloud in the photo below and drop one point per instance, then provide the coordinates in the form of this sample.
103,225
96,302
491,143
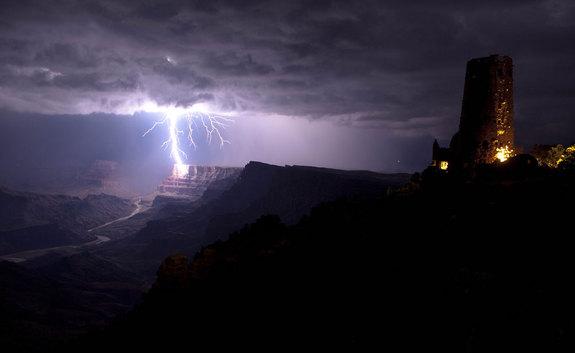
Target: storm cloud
392,65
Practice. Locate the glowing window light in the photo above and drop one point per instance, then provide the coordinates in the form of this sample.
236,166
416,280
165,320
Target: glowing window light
503,153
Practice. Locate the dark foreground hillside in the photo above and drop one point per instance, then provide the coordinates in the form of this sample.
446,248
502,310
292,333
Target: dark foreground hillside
482,266
56,294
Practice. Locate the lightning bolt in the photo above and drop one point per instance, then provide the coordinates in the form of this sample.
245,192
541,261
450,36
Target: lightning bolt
212,124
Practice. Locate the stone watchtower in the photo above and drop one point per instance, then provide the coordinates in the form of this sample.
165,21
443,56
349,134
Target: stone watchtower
486,124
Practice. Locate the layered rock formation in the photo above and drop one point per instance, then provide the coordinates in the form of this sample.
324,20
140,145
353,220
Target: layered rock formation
196,181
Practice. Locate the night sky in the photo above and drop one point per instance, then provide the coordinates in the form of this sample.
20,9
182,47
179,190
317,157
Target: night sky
346,84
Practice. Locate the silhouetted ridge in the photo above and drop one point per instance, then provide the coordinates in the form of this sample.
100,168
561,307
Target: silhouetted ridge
482,266
260,189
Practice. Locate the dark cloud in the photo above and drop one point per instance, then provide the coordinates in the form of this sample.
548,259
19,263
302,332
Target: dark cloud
394,65
68,55
95,82
177,73
237,65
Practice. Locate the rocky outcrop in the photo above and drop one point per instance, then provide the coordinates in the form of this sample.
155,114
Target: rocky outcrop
197,180
292,191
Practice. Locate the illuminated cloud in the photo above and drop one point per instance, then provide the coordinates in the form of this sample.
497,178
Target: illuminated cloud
392,65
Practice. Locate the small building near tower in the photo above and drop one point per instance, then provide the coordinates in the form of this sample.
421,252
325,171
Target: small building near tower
441,156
